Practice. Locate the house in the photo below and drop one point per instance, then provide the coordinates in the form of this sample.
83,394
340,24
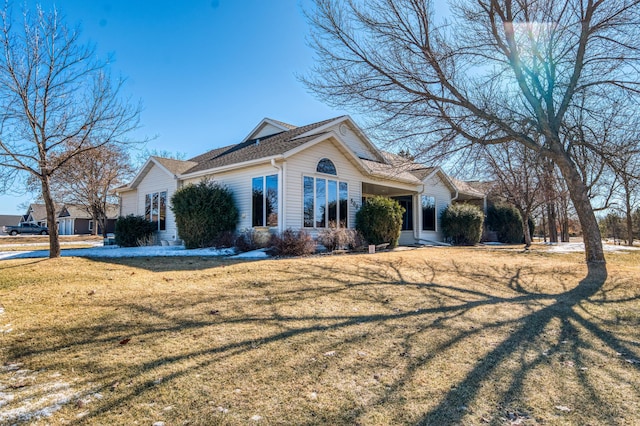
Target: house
9,220
36,214
309,177
74,219
71,219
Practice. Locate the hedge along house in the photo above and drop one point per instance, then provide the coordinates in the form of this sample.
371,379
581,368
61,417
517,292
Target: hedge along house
310,177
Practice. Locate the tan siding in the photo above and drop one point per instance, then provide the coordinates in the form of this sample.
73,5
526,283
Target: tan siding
267,130
157,180
239,182
353,141
437,188
304,164
128,203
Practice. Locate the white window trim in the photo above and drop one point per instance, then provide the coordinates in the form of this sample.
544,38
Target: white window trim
325,177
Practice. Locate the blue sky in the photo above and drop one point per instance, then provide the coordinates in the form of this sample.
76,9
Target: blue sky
206,71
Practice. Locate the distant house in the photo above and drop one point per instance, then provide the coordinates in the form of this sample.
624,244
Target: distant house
9,220
71,219
75,220
36,214
311,177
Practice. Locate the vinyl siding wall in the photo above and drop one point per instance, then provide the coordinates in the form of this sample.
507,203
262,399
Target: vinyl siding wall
434,187
239,182
353,141
128,203
156,180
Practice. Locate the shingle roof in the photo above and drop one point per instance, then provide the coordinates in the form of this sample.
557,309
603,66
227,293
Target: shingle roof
399,167
175,166
39,211
80,212
467,188
255,149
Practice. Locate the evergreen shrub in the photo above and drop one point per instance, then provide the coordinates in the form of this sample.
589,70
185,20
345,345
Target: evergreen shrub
462,224
133,231
506,221
379,220
204,212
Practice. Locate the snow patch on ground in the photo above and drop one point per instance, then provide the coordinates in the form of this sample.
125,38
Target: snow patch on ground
114,251
579,247
27,395
255,254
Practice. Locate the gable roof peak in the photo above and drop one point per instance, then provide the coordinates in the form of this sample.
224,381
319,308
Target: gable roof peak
280,123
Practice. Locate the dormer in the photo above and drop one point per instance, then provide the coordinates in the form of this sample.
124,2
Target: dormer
268,127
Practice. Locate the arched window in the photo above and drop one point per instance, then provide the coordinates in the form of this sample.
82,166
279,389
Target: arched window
326,166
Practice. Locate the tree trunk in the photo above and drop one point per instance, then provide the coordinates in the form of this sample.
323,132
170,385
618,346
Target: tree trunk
54,240
526,230
629,214
564,234
579,195
96,221
553,225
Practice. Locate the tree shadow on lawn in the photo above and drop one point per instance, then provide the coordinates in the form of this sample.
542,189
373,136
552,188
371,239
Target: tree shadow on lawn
396,332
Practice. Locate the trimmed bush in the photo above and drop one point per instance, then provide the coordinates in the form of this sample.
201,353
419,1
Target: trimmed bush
292,243
462,224
203,212
379,220
506,221
134,231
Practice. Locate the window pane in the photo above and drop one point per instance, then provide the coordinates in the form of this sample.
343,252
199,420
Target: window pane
428,213
163,211
258,201
332,203
308,202
321,203
272,200
154,208
344,210
407,217
326,166
147,207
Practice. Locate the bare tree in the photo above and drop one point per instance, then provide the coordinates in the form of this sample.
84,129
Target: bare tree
88,178
57,101
627,169
518,175
497,71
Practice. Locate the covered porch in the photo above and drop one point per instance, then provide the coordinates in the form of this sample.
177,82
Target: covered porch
408,197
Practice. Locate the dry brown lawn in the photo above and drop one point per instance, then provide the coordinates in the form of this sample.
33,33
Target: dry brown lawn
431,336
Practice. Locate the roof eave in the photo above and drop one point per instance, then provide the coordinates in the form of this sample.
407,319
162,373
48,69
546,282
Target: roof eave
229,167
359,132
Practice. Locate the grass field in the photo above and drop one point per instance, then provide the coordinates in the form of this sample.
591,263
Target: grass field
429,336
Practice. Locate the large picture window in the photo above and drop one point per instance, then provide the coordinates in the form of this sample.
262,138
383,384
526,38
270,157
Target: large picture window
265,200
155,209
325,203
428,213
